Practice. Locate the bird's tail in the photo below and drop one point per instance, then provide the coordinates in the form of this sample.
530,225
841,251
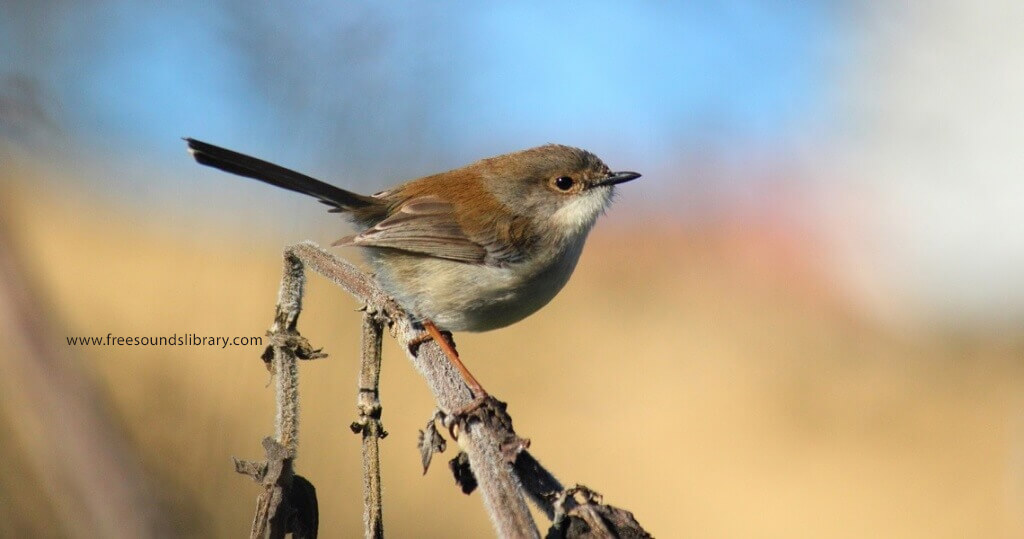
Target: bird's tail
236,163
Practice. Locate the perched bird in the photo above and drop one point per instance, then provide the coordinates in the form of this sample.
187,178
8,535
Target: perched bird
472,249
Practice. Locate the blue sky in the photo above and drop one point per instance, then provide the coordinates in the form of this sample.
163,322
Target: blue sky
365,95
357,86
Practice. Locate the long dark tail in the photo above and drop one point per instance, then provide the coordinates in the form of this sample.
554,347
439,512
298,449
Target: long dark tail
339,199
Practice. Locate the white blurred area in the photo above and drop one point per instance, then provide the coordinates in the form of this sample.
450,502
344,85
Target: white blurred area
924,172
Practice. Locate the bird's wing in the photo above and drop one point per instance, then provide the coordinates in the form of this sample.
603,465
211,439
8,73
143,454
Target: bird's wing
427,225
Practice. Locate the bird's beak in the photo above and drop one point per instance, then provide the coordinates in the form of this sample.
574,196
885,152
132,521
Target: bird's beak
617,177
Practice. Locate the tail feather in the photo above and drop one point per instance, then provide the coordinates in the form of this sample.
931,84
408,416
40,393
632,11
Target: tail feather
236,163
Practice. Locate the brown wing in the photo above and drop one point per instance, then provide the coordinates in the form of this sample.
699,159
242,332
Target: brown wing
427,225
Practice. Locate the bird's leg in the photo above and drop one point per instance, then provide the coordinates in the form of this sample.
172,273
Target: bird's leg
480,395
446,346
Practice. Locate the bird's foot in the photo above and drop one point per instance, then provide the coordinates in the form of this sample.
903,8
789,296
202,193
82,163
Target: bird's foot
461,416
417,341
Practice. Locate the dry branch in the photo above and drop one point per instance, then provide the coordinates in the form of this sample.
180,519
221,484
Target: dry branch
288,502
369,423
500,488
498,463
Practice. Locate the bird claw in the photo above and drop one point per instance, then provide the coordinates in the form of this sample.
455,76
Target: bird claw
417,341
460,417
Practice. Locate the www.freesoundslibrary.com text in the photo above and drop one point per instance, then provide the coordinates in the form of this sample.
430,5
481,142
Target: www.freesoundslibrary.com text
185,339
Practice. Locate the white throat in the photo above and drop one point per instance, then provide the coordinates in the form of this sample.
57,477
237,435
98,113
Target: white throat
578,215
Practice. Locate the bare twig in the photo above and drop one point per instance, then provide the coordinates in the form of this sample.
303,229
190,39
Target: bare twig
369,424
284,342
542,487
288,501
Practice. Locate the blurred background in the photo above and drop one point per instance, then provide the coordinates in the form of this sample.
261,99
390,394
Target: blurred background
805,320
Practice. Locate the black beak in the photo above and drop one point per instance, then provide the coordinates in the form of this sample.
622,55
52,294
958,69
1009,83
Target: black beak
618,177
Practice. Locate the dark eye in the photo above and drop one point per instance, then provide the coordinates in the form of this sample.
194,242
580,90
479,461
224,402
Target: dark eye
564,183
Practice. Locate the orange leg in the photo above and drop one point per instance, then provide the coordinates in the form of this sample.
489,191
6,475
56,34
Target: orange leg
478,391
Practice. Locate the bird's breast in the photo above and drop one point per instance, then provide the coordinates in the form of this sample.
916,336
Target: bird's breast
473,297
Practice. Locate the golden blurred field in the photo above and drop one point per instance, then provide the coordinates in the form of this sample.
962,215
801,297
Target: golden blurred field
712,384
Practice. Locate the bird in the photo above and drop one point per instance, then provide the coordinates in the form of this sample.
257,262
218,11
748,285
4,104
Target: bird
472,249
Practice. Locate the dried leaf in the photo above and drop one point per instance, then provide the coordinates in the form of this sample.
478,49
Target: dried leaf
430,442
463,472
588,517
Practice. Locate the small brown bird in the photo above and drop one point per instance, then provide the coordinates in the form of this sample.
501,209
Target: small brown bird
472,249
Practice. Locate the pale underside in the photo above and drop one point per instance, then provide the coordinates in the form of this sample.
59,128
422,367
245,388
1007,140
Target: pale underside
471,297
439,273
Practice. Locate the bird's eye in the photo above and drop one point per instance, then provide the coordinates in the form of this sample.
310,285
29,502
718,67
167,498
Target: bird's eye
564,183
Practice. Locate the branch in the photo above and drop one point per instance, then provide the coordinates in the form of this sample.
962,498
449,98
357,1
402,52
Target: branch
369,424
497,459
288,502
499,486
